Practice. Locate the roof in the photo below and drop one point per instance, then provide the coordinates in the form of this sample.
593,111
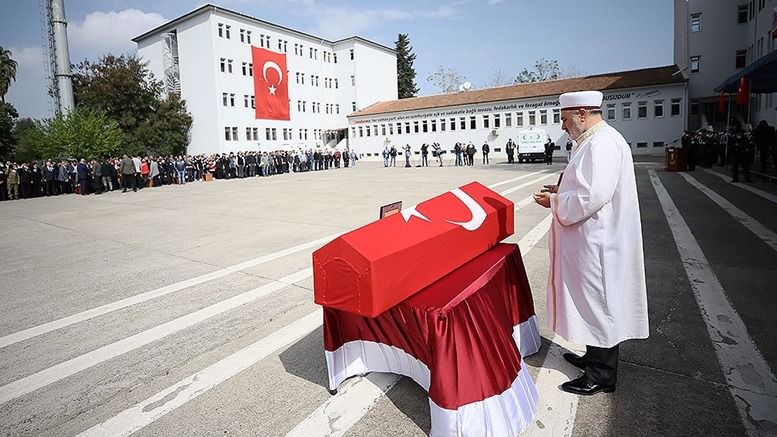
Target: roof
762,75
210,7
666,75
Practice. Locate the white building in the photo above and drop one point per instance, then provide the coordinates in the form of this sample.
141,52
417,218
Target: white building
206,56
713,39
647,106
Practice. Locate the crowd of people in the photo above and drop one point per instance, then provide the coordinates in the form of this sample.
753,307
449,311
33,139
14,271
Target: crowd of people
56,177
464,153
740,147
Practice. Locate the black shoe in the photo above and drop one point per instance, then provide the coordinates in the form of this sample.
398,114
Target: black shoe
575,360
584,386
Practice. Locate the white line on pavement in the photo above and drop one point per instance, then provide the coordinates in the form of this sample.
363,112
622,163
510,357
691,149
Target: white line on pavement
70,367
339,413
526,184
189,388
768,196
751,382
499,184
153,294
750,223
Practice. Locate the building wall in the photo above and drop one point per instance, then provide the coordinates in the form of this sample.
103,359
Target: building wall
314,106
654,132
717,42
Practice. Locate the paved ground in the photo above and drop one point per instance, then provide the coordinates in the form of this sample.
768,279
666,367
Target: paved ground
181,280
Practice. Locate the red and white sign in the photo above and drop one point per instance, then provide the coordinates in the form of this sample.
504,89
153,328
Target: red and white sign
371,269
271,85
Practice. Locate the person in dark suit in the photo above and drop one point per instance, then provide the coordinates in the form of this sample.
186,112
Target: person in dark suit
82,176
549,146
49,179
37,180
25,182
486,150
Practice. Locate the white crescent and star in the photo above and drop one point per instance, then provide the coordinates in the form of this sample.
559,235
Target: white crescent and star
270,65
477,211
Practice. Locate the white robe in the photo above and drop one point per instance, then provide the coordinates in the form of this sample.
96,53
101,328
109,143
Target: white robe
596,285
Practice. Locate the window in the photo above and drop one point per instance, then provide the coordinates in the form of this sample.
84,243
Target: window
658,108
253,102
255,131
486,121
462,123
611,111
415,127
353,106
497,121
519,119
425,126
361,133
742,14
232,100
696,22
741,59
229,65
248,37
226,32
675,108
351,54
473,122
375,130
391,129
641,109
245,65
248,133
434,125
508,120
353,80
442,125
245,100
221,35
695,64
224,98
227,131
626,110
694,108
274,134
234,129
407,127
658,144
399,128
223,64
532,118
335,58
242,35
556,116
641,145
337,108
543,116
336,85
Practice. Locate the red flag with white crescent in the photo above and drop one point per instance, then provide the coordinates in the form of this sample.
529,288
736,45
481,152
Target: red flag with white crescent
271,85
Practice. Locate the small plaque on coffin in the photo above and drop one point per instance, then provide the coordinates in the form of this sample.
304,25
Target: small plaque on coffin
371,269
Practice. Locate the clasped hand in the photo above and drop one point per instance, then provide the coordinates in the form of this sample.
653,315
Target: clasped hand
543,197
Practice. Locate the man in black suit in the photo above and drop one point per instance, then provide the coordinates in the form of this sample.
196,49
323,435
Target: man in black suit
82,175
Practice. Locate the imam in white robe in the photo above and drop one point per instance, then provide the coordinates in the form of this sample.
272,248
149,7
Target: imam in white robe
596,285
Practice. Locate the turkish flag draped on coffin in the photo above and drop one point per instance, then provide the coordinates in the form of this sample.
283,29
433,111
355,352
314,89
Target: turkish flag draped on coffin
271,86
371,269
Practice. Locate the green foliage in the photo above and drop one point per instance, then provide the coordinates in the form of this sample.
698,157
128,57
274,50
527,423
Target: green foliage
30,140
543,70
83,133
7,71
126,91
8,116
406,85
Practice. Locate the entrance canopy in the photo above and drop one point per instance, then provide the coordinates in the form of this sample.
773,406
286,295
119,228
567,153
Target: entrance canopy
762,75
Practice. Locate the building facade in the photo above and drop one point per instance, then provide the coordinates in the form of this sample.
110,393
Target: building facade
713,39
206,56
648,106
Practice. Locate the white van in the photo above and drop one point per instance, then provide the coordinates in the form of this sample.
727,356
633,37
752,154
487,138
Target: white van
531,144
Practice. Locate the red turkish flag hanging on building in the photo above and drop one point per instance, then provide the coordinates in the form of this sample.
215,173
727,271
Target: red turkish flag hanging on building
743,93
271,86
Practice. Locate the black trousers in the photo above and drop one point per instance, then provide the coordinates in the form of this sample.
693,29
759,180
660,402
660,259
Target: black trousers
601,364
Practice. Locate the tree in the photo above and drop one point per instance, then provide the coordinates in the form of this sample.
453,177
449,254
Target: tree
82,133
8,139
406,85
31,139
7,72
543,70
498,78
446,79
125,90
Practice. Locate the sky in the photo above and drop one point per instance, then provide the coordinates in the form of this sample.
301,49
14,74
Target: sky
480,39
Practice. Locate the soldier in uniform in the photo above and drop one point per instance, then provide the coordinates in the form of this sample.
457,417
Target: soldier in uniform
739,147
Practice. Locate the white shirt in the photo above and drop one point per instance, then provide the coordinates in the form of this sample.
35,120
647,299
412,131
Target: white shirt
596,285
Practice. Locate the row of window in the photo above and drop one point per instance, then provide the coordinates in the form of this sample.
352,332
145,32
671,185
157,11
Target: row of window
228,99
271,134
744,14
247,69
642,109
329,108
225,31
